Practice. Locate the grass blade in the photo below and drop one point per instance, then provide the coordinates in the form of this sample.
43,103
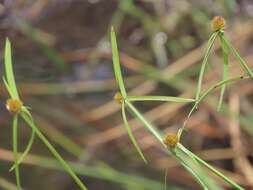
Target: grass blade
28,148
130,134
192,171
15,148
211,168
8,88
214,87
159,98
146,123
225,69
116,63
53,151
237,55
9,70
204,63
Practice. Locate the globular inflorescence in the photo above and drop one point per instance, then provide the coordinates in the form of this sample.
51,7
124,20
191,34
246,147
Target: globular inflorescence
171,140
14,105
118,97
218,23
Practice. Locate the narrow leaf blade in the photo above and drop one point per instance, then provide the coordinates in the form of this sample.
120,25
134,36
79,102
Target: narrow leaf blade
225,69
66,166
160,98
204,63
237,56
9,70
116,63
147,125
27,149
15,148
130,134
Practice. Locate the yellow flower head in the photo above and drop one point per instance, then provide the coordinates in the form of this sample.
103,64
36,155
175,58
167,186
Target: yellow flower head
171,140
14,105
218,23
118,97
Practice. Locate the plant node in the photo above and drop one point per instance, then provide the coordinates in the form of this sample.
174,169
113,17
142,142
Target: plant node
171,140
14,105
218,23
118,97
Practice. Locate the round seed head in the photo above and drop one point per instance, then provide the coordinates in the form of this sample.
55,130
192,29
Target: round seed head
171,140
218,23
14,105
118,97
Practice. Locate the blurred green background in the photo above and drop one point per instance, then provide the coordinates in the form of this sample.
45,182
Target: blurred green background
63,68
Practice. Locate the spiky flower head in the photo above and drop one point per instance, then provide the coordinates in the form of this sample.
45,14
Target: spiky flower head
218,23
14,105
118,97
171,140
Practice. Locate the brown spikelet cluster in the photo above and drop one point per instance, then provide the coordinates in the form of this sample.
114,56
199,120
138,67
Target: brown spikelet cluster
218,23
171,140
118,97
14,105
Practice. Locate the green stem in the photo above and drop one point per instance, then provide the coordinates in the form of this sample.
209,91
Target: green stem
204,63
191,171
53,151
159,98
15,148
225,68
130,134
237,55
214,87
28,148
146,123
211,168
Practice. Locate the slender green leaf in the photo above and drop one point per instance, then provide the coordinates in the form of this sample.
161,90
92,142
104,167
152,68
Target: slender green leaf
214,87
8,89
237,55
116,63
15,148
197,167
27,149
204,63
159,98
130,134
225,69
9,70
211,168
53,151
153,130
193,172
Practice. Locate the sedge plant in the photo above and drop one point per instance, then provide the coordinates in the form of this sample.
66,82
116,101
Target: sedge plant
171,142
218,25
15,106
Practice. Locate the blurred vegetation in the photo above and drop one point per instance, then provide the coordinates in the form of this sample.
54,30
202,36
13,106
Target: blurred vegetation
63,68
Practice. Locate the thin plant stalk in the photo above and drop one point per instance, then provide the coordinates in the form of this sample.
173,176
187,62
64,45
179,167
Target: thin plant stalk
53,151
225,68
237,55
28,148
130,134
148,125
204,63
116,63
211,168
214,87
15,148
159,98
191,171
